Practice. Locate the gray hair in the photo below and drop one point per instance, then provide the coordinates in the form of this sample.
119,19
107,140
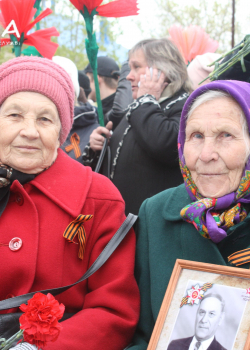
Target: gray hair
211,95
216,296
165,56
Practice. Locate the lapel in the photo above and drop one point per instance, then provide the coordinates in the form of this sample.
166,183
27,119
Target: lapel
176,201
66,183
214,345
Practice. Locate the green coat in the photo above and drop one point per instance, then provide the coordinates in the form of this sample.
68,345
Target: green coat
164,237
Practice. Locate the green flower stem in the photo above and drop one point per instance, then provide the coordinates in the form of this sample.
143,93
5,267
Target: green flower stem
92,50
39,10
7,344
239,56
225,54
17,44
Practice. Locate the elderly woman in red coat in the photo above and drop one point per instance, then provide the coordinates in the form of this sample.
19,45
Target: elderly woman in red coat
42,192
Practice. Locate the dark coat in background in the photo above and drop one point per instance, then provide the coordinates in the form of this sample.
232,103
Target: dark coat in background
85,121
236,72
123,98
147,162
107,104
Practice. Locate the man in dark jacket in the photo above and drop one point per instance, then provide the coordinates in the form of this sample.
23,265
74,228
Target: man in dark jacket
108,75
85,121
208,318
85,116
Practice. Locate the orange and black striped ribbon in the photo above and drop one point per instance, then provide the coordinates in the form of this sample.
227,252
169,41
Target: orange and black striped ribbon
76,228
239,258
75,141
184,301
206,286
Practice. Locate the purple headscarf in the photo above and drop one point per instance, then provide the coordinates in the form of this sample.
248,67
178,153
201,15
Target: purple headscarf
206,214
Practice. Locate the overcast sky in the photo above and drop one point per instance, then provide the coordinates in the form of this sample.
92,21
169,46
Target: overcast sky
149,20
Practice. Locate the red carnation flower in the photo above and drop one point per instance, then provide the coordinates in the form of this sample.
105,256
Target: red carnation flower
40,319
22,12
117,8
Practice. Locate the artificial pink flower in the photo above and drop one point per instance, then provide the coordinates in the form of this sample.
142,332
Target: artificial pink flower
192,41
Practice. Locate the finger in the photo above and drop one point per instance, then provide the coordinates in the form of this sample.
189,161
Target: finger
97,138
162,77
98,144
95,144
101,130
109,125
155,75
96,147
148,74
142,80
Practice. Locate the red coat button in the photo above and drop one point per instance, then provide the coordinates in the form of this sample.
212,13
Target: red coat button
19,198
15,244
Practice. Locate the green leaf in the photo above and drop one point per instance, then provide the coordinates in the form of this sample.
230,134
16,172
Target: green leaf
31,51
243,64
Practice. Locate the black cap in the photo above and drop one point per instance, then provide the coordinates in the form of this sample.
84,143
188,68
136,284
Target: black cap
84,82
106,67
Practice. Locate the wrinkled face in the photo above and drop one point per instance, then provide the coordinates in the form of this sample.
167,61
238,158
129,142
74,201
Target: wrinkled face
138,64
215,147
208,318
29,132
92,95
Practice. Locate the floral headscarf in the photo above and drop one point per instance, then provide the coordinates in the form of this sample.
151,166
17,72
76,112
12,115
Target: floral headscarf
213,216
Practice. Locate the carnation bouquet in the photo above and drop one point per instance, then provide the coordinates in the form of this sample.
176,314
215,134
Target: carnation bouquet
39,322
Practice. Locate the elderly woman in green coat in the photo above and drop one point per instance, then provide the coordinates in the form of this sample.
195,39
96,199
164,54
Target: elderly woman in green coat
207,218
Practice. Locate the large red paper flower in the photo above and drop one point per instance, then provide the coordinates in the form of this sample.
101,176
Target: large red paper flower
22,12
117,8
192,41
40,319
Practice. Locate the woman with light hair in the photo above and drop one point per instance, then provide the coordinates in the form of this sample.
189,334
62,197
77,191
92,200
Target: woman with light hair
144,157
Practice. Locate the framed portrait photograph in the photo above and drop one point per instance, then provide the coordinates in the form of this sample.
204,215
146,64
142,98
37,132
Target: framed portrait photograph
206,306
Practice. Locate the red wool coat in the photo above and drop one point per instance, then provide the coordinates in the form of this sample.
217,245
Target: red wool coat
107,304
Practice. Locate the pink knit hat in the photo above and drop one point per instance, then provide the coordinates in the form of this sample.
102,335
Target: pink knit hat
40,75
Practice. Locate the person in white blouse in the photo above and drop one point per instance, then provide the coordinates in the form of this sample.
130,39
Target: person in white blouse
208,318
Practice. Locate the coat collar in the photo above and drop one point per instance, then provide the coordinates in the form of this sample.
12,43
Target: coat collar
66,182
176,201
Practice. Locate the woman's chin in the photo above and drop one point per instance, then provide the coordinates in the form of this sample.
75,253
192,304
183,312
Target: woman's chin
215,186
29,167
211,192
